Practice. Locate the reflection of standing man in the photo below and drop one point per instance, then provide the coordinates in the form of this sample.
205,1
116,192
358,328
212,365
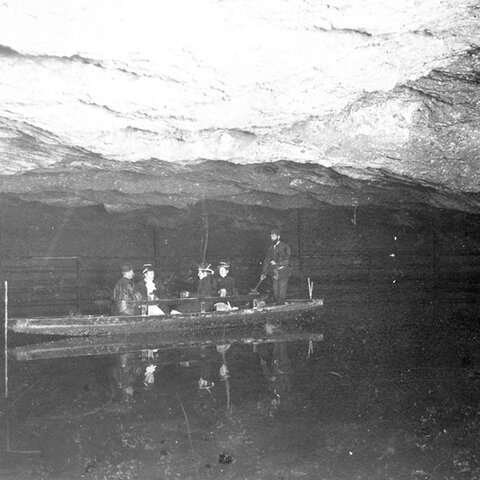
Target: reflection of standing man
277,265
276,368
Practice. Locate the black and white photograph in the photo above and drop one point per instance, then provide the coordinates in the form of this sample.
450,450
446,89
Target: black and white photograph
240,239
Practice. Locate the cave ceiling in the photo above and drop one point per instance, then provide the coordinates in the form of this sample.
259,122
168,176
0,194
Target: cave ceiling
281,103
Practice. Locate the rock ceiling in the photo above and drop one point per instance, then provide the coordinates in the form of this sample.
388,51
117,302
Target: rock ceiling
166,102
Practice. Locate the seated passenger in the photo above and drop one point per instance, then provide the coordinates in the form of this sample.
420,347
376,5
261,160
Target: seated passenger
148,289
224,283
124,292
206,287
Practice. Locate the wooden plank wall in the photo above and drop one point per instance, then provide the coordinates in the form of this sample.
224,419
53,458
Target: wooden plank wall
63,285
365,261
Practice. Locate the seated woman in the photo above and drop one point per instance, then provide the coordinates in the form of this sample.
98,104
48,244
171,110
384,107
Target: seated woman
224,283
148,289
206,284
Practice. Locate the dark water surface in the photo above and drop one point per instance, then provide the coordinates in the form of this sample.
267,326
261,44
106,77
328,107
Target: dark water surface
392,392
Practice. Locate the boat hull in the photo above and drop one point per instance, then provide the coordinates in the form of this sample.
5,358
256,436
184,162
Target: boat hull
288,317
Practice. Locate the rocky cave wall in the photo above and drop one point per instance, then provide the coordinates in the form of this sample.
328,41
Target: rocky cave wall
297,98
61,260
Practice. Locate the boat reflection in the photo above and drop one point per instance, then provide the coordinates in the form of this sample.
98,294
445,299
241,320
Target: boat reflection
121,344
203,397
139,369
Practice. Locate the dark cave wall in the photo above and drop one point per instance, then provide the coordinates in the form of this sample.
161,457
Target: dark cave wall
59,260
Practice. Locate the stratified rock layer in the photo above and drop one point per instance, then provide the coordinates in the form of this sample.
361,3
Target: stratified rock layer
97,100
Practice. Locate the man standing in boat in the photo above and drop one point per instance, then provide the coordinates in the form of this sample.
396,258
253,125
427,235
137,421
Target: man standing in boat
277,265
124,292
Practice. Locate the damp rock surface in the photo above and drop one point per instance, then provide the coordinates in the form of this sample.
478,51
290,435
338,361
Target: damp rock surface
374,91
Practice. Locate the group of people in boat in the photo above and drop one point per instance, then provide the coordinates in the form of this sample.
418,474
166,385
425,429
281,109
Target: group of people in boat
218,283
127,291
211,283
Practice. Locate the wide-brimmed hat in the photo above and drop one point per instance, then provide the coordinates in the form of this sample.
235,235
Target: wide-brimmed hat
205,267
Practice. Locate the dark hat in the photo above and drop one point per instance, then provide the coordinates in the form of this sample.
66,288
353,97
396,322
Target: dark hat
275,231
126,267
205,267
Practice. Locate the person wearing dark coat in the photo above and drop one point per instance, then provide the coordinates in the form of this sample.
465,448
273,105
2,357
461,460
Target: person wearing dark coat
224,283
206,284
277,266
124,292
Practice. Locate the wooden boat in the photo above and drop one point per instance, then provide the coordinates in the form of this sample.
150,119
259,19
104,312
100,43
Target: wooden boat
249,320
186,346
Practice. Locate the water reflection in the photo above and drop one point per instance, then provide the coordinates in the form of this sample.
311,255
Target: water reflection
126,374
374,400
276,370
182,411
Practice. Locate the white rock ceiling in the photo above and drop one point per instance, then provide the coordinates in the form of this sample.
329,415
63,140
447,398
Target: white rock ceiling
371,88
